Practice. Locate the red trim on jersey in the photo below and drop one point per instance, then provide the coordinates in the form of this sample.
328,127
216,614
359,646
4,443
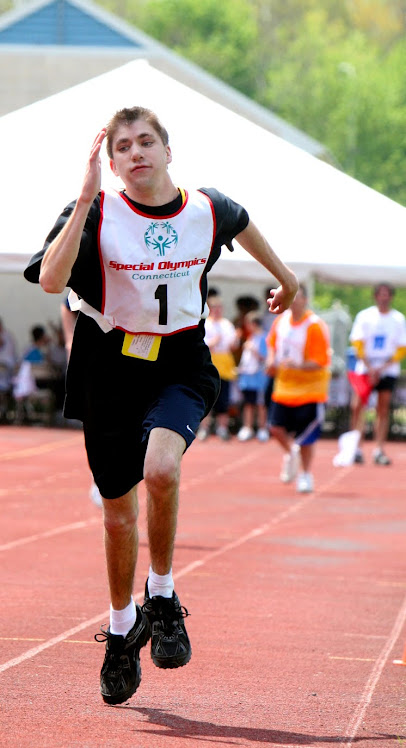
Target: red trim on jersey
214,234
103,301
145,215
213,216
153,215
155,334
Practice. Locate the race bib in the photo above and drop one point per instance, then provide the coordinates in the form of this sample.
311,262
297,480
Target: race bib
141,346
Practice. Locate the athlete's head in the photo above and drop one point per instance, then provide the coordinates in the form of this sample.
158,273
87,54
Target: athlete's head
383,294
302,290
253,322
215,304
299,303
127,117
386,287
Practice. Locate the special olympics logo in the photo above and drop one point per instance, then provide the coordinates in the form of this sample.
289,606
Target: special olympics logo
160,237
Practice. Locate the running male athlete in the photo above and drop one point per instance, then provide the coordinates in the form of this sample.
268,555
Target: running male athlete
140,376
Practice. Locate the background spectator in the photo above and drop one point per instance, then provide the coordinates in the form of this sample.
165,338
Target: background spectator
299,358
378,337
252,380
221,338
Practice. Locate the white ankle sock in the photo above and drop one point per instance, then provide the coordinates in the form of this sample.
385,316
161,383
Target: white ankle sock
121,621
160,584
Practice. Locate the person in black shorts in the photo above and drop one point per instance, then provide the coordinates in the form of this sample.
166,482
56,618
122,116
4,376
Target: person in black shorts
140,376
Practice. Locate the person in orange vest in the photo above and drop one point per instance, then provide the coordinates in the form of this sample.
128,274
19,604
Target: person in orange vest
299,359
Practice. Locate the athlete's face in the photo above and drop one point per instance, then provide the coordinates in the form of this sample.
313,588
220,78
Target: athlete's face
216,308
383,298
299,304
140,158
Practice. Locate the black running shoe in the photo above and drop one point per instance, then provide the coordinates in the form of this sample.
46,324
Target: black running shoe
121,672
170,645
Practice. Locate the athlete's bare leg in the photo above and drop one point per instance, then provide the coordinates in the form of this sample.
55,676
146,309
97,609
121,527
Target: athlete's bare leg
282,436
306,456
357,412
121,546
382,417
162,475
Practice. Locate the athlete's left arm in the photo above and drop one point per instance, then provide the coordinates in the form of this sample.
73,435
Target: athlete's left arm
255,243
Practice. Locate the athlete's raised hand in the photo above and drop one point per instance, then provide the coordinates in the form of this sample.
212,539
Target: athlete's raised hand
62,252
92,179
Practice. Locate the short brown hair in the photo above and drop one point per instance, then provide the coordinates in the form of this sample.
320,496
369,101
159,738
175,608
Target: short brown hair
302,288
254,318
390,289
127,117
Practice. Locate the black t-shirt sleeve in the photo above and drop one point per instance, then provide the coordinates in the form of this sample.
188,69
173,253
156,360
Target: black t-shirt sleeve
86,273
231,219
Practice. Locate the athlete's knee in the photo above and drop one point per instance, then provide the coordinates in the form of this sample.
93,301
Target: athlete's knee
161,474
120,515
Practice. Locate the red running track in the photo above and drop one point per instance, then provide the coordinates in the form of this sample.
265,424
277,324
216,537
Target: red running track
298,603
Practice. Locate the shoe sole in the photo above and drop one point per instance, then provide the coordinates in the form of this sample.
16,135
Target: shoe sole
171,663
120,699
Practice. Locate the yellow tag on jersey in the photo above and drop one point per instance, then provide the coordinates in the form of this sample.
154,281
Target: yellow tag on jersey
141,346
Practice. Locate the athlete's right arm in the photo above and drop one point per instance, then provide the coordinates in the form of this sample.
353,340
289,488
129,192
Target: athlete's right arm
62,252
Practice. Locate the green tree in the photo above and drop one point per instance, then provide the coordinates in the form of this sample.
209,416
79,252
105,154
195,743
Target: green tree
5,5
353,298
335,71
342,89
220,37
380,19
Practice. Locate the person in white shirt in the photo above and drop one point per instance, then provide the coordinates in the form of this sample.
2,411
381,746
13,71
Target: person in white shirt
221,338
378,336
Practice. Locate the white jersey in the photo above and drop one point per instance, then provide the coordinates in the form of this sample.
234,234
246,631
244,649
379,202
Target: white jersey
152,266
382,335
292,338
221,334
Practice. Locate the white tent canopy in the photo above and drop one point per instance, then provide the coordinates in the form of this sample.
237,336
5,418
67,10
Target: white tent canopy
319,221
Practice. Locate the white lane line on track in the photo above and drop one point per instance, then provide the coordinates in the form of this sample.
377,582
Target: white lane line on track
95,520
30,653
40,449
256,532
373,679
50,533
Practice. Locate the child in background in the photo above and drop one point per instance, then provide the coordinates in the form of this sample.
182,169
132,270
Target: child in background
252,380
221,338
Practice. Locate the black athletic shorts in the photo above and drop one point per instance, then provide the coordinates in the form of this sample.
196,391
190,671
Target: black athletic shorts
303,421
253,397
223,401
386,384
120,398
116,453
